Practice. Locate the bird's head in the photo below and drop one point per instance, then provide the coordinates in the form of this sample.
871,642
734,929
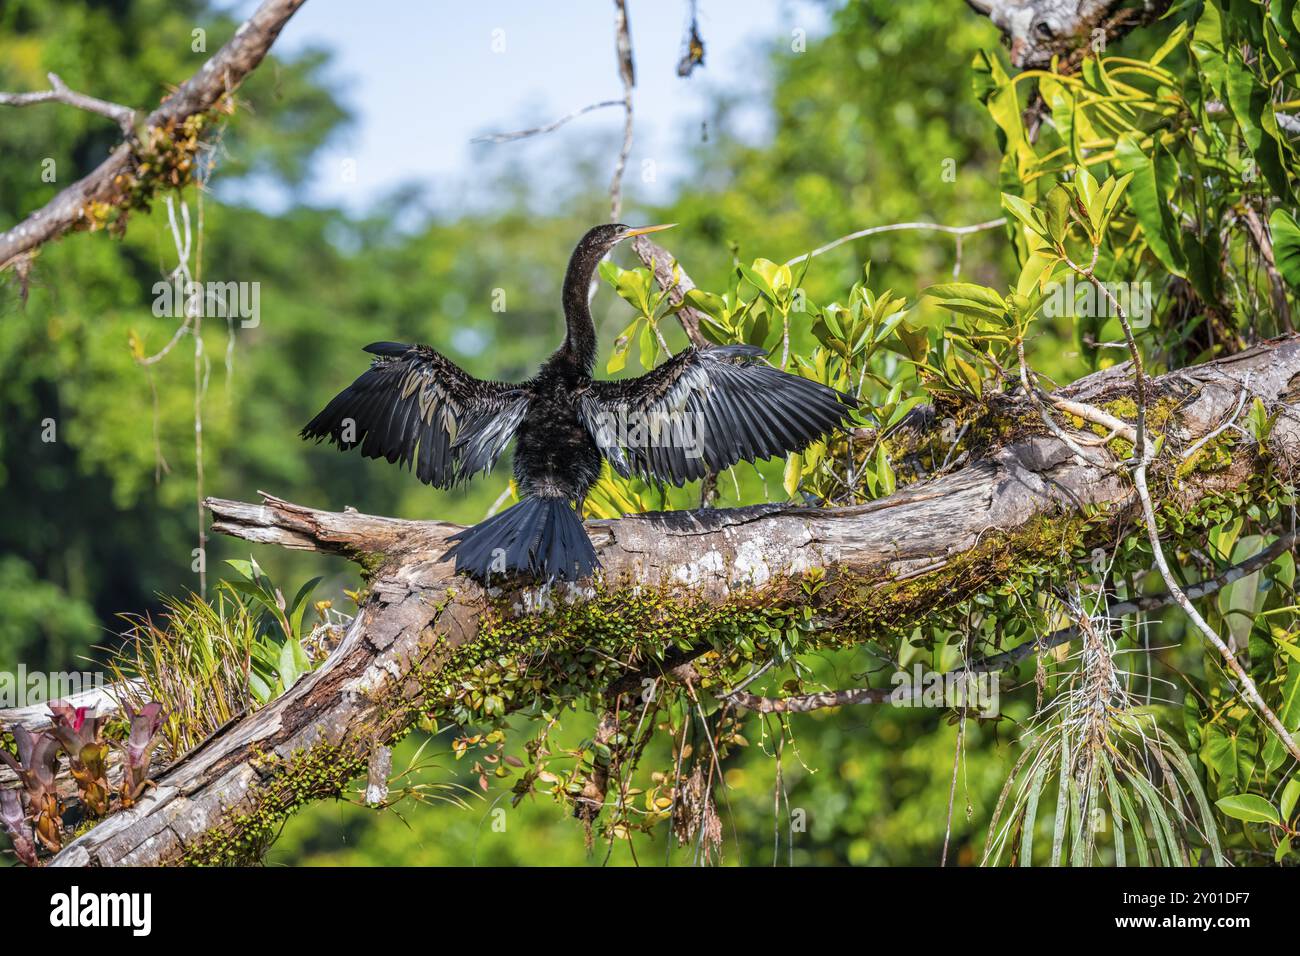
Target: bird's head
603,238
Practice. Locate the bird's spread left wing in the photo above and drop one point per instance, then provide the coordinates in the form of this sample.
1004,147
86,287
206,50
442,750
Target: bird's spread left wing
706,409
416,406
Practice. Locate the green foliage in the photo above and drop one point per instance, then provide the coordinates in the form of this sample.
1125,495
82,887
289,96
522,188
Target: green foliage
1193,129
211,661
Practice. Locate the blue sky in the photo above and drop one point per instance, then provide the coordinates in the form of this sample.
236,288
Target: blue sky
423,79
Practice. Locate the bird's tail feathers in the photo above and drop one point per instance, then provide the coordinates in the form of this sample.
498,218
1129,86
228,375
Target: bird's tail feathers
540,537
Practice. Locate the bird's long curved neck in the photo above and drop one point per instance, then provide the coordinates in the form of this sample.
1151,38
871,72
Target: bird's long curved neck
580,340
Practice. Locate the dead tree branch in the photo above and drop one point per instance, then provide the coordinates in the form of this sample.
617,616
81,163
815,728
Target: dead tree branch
627,74
1037,30
673,280
548,128
58,92
925,548
992,663
219,76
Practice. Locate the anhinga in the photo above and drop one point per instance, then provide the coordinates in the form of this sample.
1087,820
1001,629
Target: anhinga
702,410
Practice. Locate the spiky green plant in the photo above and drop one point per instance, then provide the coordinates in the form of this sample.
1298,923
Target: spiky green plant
207,662
197,662
1118,786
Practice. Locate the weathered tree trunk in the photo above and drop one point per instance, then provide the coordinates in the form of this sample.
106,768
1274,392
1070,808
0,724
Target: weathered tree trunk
74,207
668,578
1037,30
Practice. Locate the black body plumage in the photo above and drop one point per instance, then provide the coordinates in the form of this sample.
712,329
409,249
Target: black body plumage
702,410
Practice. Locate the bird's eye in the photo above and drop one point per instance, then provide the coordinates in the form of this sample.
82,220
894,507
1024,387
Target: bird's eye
1044,30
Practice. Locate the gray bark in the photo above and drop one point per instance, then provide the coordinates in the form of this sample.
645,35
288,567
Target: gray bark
1037,30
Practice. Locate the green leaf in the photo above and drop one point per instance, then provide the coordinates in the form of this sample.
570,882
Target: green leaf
971,376
632,285
1286,245
618,357
1252,105
1183,764
1037,269
993,88
902,408
1248,807
1228,755
299,605
1026,213
1031,814
1284,20
245,568
759,281
968,292
1136,827
915,341
1086,185
647,346
1288,711
1148,193
261,689
1173,40
776,277
1062,804
714,306
1167,845
1104,203
1116,813
884,472
1290,793
793,470
293,663
1208,45
831,316
1057,212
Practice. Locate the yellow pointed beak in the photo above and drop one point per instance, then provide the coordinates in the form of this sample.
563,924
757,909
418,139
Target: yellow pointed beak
643,230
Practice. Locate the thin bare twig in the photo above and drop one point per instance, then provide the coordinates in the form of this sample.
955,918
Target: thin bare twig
1139,374
1234,665
1259,234
1091,413
1231,420
901,227
1032,392
59,92
627,73
952,788
548,128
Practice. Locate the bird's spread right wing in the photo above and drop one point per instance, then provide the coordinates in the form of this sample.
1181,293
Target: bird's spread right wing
416,406
706,409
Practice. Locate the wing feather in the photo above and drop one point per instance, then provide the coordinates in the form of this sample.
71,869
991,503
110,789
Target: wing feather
706,409
417,407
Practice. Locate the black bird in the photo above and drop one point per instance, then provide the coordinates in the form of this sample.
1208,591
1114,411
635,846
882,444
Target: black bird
702,410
